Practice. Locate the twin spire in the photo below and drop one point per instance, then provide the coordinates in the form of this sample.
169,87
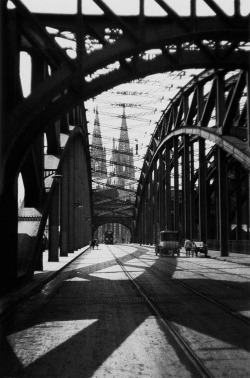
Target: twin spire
122,156
97,138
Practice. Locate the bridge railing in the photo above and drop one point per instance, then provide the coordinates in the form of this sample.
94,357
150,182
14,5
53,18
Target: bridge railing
235,246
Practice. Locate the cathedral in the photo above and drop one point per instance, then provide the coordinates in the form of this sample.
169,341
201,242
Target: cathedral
116,174
98,156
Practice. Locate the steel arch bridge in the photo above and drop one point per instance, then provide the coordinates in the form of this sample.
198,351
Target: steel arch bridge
196,170
110,50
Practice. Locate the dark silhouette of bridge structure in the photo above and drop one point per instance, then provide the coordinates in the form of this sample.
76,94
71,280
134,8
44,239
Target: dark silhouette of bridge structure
44,137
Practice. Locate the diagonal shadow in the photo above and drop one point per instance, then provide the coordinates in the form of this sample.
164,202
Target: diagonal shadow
79,314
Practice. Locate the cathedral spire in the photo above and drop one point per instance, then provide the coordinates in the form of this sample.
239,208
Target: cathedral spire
98,152
123,140
97,136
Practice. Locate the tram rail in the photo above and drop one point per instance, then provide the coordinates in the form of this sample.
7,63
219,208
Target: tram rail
176,336
166,276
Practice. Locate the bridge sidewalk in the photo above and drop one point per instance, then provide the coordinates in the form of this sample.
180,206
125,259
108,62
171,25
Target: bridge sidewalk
241,258
50,270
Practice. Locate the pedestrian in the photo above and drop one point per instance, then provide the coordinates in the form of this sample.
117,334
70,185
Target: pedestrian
193,250
96,243
44,243
93,244
188,245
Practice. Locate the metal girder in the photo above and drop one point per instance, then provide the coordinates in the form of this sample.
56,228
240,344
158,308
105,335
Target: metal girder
199,200
233,105
117,20
161,32
75,86
230,143
196,122
39,40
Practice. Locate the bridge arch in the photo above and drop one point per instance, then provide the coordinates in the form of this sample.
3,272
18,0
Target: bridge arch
181,45
185,127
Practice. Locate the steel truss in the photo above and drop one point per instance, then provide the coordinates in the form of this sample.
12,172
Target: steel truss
195,176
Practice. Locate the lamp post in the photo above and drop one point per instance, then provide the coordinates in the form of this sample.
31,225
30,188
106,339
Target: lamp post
78,206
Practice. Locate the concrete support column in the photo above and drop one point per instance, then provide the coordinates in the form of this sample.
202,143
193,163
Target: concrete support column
71,200
54,221
223,201
64,209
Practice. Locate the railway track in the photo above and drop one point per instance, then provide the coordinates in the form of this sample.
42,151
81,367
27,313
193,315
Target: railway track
146,322
197,363
166,276
194,261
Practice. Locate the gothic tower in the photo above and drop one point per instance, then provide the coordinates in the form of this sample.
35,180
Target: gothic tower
98,155
122,175
122,157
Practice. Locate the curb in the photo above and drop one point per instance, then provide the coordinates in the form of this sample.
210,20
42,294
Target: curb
10,300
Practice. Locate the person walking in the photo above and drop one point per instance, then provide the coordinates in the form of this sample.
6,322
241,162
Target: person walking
96,243
188,245
93,243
